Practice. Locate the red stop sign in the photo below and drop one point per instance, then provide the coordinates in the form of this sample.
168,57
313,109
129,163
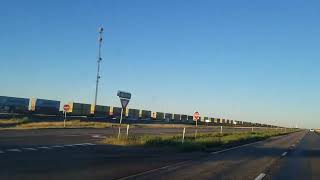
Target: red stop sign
196,116
66,107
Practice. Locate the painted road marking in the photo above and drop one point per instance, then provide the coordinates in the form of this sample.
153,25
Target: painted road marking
13,150
69,145
90,144
57,146
260,177
44,147
285,153
217,152
153,170
30,149
79,145
97,136
83,144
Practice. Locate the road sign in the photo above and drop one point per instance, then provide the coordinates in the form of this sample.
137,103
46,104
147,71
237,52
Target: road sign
123,94
124,99
124,102
66,107
196,116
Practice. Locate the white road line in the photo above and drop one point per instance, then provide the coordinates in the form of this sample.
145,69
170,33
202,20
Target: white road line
69,145
79,144
153,170
44,147
82,144
57,146
217,152
285,153
90,144
13,150
1,152
96,136
30,149
260,177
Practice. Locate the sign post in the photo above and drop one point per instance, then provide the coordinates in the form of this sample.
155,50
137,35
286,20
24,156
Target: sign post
66,108
124,99
196,116
183,134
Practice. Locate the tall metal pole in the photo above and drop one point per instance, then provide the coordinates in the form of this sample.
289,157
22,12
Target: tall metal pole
99,60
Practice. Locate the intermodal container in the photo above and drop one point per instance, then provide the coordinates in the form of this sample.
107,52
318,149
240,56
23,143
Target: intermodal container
145,114
168,116
133,114
160,116
14,104
99,110
116,112
177,117
184,117
79,109
45,106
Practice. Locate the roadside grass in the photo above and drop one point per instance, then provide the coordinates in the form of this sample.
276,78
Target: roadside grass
26,123
203,141
30,123
14,121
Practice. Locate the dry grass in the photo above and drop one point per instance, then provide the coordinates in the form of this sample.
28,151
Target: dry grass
163,125
202,142
13,121
27,124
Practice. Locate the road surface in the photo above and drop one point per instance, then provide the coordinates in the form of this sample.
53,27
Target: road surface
63,154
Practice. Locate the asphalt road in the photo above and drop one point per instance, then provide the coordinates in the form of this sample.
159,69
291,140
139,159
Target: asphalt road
302,162
77,153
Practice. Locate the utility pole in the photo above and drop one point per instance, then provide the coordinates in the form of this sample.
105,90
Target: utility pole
99,60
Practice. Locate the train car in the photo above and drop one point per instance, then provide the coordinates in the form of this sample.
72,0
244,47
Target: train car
79,109
45,106
14,104
218,120
168,116
100,111
133,114
145,114
177,117
116,112
184,117
190,118
160,116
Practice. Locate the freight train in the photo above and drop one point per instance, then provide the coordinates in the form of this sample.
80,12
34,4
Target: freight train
52,107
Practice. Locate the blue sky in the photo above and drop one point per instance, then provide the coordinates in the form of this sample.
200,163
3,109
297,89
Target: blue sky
246,60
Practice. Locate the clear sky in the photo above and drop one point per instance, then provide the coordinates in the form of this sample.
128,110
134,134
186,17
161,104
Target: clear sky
246,60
